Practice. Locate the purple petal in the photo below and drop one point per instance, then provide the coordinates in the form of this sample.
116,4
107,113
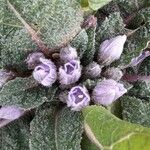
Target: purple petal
10,112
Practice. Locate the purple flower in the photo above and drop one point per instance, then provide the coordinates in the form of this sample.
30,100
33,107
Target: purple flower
78,98
93,70
5,76
70,72
10,112
68,53
108,91
111,50
33,59
45,73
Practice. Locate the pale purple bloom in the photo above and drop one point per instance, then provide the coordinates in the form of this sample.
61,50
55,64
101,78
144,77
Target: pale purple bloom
70,72
68,53
137,60
33,59
78,98
10,112
5,76
111,50
107,92
93,70
113,73
45,73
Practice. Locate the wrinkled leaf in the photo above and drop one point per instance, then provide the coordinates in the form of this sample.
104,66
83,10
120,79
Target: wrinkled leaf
56,130
108,132
15,136
56,21
136,110
144,68
141,90
90,51
15,50
112,26
25,93
80,42
137,41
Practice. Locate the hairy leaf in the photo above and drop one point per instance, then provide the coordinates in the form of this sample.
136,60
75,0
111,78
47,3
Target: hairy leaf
144,68
25,93
80,42
56,130
136,110
138,40
56,21
108,132
141,90
90,51
15,136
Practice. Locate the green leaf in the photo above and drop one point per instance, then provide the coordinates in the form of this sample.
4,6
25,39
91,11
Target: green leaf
25,93
108,132
56,21
141,90
15,49
129,7
112,26
94,4
56,130
144,68
138,40
80,42
90,51
15,136
136,110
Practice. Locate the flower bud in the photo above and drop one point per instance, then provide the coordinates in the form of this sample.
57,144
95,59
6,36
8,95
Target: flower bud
45,73
93,70
68,53
113,73
137,60
10,112
108,91
70,72
78,98
5,76
111,50
33,59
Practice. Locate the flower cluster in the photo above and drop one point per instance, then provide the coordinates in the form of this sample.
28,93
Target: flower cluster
70,71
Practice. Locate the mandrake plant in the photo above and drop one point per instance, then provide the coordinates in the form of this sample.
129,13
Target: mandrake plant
74,75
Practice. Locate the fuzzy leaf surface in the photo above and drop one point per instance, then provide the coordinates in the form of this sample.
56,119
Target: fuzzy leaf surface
136,110
15,136
24,92
56,130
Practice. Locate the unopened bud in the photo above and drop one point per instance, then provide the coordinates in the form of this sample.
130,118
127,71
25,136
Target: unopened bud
45,73
68,53
107,92
78,98
70,72
111,50
113,73
33,59
93,70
